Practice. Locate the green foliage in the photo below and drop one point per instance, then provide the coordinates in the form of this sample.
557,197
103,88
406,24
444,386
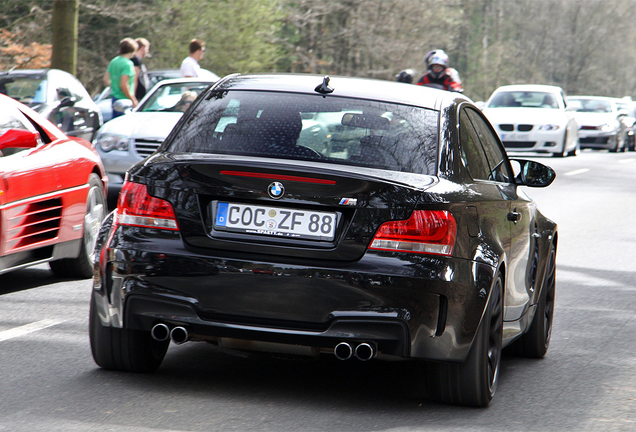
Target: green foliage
585,46
240,35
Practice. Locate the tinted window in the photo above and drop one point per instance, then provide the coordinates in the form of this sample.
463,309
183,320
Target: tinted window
497,158
471,151
331,129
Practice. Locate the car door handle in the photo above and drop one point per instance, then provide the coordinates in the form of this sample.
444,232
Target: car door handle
514,216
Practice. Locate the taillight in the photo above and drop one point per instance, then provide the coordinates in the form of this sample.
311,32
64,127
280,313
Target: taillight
136,207
426,231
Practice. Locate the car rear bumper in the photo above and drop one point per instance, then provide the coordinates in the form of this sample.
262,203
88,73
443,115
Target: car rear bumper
407,306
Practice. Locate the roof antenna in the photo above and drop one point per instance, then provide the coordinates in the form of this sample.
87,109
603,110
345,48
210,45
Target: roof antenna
324,87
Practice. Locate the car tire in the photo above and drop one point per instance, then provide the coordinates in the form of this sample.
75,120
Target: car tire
473,382
577,149
123,349
563,151
82,265
535,342
615,149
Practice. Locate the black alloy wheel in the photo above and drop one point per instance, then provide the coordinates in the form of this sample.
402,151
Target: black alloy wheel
473,382
536,341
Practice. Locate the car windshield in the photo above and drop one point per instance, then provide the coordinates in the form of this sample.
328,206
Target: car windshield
312,127
592,105
30,90
524,99
175,97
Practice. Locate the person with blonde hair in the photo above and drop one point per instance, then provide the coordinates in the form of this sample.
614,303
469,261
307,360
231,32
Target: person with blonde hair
186,100
142,83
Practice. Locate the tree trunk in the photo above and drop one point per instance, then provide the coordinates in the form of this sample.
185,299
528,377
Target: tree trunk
64,25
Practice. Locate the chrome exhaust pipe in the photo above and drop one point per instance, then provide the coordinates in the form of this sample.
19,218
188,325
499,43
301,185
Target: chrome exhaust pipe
343,351
160,332
179,335
365,352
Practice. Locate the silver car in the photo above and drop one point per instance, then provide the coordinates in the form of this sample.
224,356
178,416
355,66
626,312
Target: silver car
128,139
600,123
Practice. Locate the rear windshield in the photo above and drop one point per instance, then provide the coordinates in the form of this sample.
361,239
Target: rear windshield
307,127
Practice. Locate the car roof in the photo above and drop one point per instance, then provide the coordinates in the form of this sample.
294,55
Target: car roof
183,80
36,73
164,72
593,97
361,88
530,87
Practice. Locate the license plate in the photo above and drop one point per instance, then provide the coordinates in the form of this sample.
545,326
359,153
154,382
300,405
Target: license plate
275,221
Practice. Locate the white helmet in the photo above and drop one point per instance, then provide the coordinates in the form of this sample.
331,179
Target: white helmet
436,57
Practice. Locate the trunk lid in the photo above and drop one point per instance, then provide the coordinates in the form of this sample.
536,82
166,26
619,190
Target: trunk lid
358,199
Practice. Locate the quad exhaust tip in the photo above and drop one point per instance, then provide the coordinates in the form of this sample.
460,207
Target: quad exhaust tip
363,352
343,351
160,332
179,335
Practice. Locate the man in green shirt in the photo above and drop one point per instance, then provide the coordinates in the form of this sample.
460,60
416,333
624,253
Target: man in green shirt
120,74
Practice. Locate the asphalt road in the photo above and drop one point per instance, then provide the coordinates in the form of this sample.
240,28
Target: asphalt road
587,381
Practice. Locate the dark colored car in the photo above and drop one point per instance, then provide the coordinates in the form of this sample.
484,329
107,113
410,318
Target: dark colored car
401,234
52,198
58,96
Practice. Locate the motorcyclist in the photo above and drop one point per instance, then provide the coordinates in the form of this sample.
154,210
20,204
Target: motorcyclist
438,74
405,76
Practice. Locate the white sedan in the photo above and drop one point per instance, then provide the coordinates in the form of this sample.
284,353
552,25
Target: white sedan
130,138
600,122
533,118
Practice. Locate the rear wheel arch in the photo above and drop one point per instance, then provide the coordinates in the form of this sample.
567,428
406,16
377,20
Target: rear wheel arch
473,382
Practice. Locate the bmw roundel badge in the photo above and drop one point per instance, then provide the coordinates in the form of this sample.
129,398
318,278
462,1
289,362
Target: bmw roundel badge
276,190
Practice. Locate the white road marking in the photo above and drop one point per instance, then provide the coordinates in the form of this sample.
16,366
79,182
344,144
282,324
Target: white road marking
577,172
627,160
28,328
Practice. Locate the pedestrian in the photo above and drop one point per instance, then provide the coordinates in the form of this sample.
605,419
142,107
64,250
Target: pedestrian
405,76
190,65
142,83
120,74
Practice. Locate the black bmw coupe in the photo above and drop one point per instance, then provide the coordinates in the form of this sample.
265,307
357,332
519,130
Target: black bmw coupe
355,218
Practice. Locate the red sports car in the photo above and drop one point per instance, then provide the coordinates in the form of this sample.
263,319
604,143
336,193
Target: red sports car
51,194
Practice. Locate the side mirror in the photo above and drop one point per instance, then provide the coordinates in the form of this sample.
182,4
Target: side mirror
19,138
122,105
532,174
481,105
67,101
